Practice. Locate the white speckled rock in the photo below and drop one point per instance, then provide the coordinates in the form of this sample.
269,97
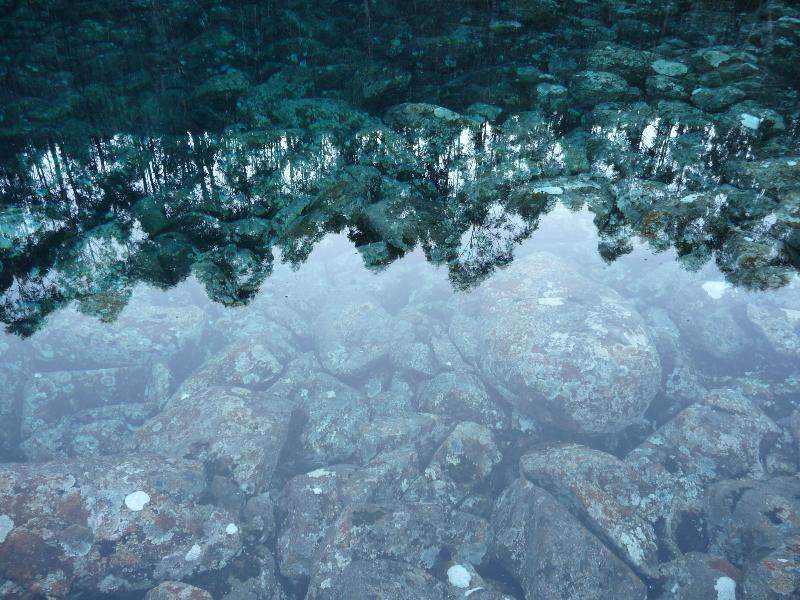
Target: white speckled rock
83,526
544,546
608,495
561,347
232,429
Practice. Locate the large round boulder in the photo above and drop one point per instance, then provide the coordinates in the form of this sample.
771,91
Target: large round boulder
562,348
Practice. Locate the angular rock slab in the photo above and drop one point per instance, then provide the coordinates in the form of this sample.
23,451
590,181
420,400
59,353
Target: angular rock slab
416,534
369,579
83,413
309,504
563,348
697,576
545,548
352,335
176,590
604,493
140,335
234,431
108,525
724,437
776,576
747,517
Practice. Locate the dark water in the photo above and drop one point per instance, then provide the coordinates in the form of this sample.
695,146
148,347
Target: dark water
487,299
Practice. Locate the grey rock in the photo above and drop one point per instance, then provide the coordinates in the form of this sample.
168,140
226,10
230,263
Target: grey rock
309,504
578,358
380,578
747,517
544,546
176,590
83,413
697,576
660,86
669,68
723,437
109,525
263,584
589,88
147,334
370,532
329,415
423,432
461,397
351,336
775,576
461,466
235,432
607,495
245,363
780,325
716,99
632,63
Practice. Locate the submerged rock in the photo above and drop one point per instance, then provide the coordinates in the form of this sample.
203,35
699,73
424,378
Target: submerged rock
589,88
607,494
109,525
370,532
723,437
775,576
697,576
176,590
561,347
543,546
380,578
747,518
309,504
352,336
84,413
237,433
140,335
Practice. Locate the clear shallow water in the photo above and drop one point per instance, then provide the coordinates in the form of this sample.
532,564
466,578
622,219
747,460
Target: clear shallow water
331,329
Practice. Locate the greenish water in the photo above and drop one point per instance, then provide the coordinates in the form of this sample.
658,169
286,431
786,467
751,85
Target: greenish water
309,272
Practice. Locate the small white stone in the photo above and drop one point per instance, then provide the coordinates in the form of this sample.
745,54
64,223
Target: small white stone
318,473
231,529
194,553
6,525
791,163
750,121
330,394
716,289
726,588
459,576
136,500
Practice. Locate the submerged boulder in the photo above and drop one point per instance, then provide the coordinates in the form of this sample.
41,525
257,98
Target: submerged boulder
84,413
177,590
747,518
379,578
310,503
415,534
109,525
723,437
237,433
544,547
607,495
697,576
561,347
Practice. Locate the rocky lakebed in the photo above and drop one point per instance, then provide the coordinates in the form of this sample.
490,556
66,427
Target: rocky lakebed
355,301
